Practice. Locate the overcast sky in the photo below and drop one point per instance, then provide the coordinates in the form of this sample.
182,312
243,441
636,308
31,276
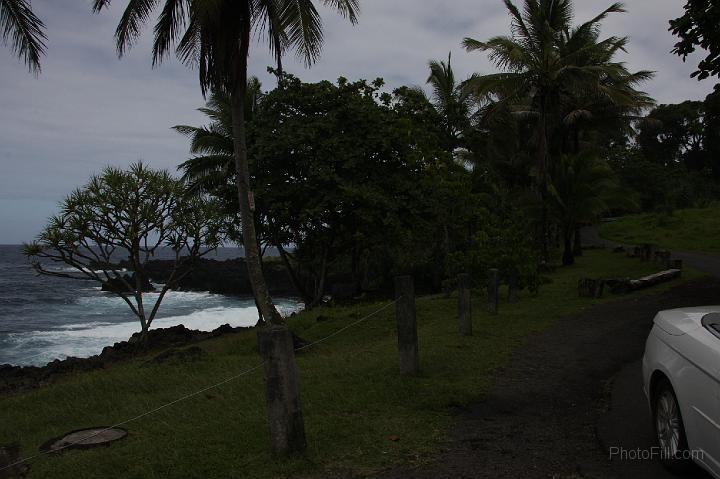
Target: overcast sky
89,109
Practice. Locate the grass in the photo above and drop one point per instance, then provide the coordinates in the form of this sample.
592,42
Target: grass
352,396
690,230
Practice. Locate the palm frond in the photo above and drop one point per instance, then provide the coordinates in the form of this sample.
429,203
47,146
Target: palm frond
471,45
349,9
169,27
302,23
518,23
24,31
134,17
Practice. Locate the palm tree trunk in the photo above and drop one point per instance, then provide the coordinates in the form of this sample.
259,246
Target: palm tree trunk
242,181
542,181
568,257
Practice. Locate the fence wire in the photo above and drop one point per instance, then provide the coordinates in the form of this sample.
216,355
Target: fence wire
191,395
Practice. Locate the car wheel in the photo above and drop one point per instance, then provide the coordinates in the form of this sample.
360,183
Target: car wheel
669,429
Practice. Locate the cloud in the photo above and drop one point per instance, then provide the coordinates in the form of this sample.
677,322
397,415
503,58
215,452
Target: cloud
89,109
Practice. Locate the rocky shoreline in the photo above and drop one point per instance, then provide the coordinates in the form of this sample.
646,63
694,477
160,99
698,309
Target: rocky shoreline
228,277
163,341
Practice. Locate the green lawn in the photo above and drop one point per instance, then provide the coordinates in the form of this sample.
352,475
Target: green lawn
690,230
353,398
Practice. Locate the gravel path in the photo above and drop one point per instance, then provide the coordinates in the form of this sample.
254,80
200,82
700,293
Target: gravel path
554,411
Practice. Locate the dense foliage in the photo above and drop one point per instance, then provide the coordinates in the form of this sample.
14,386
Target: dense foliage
351,183
354,184
698,27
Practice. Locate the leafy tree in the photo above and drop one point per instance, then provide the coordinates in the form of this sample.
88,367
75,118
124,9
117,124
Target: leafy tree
215,37
328,161
24,31
135,214
546,61
698,27
675,134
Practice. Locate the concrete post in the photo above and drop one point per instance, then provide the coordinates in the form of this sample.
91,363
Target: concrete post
406,325
493,285
287,429
464,305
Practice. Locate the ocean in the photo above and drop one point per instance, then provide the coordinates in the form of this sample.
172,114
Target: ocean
45,318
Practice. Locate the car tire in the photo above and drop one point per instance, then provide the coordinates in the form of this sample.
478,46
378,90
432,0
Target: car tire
670,429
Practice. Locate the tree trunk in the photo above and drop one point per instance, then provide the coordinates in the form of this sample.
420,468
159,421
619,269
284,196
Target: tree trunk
320,288
542,181
568,258
577,247
242,181
307,299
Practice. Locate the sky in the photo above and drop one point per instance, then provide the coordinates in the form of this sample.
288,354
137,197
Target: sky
88,109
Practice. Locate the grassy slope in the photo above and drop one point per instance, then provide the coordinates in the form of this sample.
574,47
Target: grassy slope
690,230
352,396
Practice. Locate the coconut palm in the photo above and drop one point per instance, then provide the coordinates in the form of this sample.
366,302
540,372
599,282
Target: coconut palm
212,166
450,99
24,31
214,36
545,62
582,188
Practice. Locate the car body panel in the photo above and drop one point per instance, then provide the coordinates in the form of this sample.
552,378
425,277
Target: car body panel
688,355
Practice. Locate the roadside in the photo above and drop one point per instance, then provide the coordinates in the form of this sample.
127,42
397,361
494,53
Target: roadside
361,416
702,262
540,418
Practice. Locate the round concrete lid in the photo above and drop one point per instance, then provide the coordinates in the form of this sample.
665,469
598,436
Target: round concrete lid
84,438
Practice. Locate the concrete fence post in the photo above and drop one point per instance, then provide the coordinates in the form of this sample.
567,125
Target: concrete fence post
464,305
493,286
406,325
287,428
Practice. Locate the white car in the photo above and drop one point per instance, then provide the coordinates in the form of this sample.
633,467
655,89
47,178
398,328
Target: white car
681,374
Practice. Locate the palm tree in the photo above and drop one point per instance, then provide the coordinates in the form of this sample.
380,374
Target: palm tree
214,36
24,31
450,99
544,62
582,187
213,161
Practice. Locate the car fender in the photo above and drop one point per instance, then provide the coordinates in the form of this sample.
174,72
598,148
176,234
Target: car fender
663,357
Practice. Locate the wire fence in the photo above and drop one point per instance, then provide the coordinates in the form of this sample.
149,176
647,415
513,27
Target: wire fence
193,394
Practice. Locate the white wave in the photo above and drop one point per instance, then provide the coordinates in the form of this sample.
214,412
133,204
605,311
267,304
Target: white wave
88,339
72,269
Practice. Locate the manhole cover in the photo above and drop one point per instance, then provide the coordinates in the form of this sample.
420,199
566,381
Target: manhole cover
84,438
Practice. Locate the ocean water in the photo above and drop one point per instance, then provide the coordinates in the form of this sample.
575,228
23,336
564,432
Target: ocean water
44,318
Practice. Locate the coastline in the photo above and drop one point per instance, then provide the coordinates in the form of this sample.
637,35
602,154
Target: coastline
163,344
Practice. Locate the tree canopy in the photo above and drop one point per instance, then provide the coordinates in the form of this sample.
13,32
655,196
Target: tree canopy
128,214
698,28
